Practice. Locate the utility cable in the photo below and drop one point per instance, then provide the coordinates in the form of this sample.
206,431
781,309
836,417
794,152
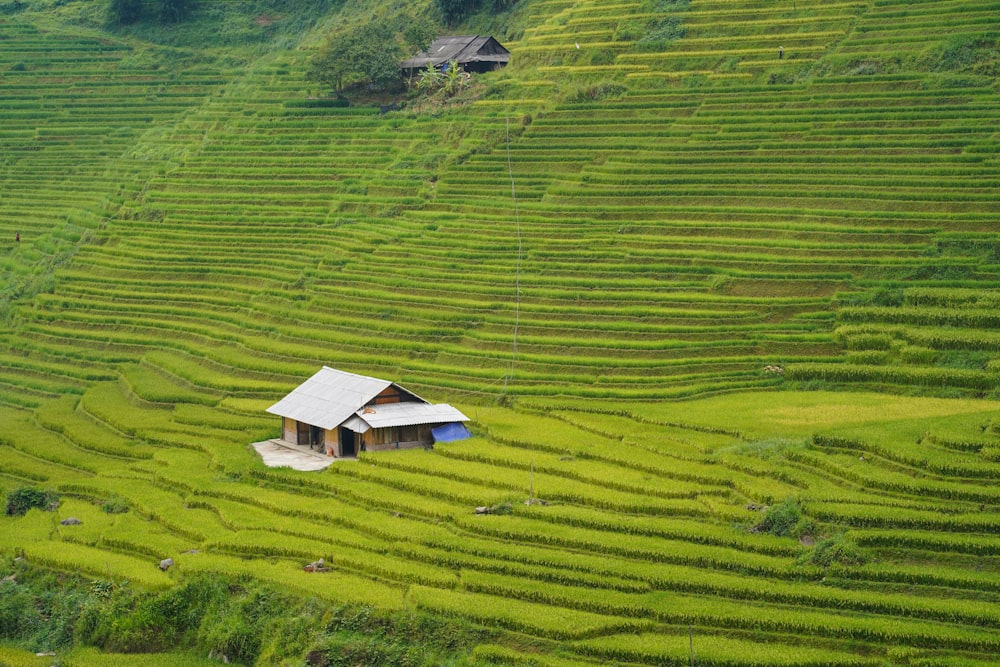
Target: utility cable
517,267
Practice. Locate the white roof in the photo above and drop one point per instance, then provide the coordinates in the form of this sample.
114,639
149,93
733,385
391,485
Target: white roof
409,413
356,424
329,397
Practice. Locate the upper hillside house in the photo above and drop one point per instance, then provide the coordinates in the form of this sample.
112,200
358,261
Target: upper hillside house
343,413
474,53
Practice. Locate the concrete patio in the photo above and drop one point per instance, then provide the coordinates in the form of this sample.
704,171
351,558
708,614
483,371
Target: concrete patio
281,454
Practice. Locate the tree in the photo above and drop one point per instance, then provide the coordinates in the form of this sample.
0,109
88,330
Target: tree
174,11
125,12
369,55
419,33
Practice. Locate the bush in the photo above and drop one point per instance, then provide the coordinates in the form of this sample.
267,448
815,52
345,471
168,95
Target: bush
598,92
115,506
836,549
19,501
785,520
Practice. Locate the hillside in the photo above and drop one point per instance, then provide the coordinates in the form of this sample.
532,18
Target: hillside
730,202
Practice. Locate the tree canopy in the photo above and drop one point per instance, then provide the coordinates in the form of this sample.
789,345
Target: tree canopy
370,55
127,12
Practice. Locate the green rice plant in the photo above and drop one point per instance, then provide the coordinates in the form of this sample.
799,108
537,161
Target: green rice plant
92,657
454,492
26,467
135,534
871,472
940,575
694,530
958,457
680,649
15,657
874,516
332,586
627,546
938,377
686,609
931,540
542,482
98,563
520,566
156,388
26,436
541,620
200,374
61,416
493,654
168,509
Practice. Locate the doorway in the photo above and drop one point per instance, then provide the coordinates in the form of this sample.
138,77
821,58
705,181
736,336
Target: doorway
348,445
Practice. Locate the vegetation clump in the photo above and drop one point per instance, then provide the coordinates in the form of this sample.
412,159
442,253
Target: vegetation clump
24,498
230,619
116,505
785,520
835,550
369,56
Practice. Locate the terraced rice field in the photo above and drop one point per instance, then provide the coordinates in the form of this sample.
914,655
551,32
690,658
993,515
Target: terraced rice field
639,526
648,204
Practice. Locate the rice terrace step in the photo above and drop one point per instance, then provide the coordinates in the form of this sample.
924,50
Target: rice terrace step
672,341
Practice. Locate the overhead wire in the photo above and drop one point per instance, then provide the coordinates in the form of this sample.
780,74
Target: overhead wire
517,268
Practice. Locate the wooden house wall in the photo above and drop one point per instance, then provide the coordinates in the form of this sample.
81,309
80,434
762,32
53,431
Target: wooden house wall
411,437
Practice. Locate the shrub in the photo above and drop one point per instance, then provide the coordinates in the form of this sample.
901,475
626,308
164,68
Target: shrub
836,549
117,505
19,501
785,520
600,91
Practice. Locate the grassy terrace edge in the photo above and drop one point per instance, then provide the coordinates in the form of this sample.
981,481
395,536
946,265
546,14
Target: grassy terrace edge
661,264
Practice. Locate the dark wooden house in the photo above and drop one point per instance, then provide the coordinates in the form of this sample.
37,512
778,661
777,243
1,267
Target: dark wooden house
473,53
342,413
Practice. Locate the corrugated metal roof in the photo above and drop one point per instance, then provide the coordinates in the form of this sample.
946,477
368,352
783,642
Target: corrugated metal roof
328,397
409,414
463,48
356,424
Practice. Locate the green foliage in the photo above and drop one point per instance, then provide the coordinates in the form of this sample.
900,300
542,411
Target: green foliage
116,505
418,33
362,635
128,12
429,80
24,498
369,55
976,54
835,550
454,12
785,520
601,91
174,11
125,12
685,226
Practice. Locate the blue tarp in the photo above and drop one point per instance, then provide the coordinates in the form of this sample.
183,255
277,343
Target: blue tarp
450,432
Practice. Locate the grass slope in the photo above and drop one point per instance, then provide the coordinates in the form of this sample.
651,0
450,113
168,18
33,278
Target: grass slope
650,203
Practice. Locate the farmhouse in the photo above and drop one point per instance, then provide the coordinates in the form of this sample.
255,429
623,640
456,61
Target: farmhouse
474,53
342,413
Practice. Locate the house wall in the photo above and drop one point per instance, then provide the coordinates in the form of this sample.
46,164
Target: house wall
331,442
412,437
289,430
